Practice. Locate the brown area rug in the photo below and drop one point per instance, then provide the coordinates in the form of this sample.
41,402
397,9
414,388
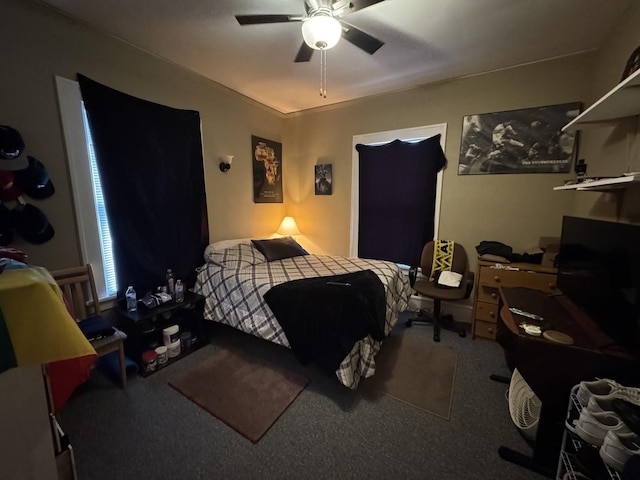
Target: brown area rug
246,393
417,371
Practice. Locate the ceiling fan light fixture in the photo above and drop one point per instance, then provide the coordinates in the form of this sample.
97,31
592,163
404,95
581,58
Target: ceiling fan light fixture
321,32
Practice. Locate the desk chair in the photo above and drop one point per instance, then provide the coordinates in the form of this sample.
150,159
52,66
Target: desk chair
425,285
81,296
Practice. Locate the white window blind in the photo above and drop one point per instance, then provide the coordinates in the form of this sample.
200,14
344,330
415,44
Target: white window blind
103,221
91,216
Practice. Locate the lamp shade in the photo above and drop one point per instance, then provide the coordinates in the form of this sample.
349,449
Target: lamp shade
321,32
288,226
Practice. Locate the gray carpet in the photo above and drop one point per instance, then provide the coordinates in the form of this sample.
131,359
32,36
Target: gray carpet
151,431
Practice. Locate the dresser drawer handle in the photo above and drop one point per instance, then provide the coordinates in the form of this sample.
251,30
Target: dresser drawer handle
490,330
492,314
494,296
496,278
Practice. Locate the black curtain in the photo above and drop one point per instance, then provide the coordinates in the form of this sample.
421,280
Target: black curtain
149,158
397,195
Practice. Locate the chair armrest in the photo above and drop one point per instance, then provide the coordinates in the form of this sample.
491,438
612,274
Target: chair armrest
469,286
413,274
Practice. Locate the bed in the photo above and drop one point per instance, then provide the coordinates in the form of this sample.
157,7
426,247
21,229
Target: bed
237,274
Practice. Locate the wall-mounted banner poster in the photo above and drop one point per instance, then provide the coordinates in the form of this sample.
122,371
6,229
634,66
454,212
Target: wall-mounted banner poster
267,170
323,179
519,141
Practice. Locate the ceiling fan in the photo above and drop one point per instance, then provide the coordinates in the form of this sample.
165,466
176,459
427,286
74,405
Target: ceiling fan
323,26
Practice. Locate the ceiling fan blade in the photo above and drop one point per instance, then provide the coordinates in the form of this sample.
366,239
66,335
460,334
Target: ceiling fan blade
258,19
360,4
360,39
343,7
304,53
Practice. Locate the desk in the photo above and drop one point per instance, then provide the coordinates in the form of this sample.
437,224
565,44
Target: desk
551,369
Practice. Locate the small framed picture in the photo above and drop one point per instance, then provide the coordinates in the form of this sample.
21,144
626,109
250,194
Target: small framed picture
323,179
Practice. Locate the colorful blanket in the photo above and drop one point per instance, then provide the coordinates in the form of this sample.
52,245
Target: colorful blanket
37,329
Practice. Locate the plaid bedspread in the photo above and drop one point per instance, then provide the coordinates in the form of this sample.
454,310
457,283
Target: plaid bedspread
234,290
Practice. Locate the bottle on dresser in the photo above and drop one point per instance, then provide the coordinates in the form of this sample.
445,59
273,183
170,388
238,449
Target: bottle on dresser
132,300
171,283
179,291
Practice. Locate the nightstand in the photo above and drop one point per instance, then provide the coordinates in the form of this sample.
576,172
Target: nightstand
145,325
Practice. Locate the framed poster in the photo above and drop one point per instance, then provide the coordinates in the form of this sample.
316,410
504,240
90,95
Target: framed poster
518,141
323,180
267,170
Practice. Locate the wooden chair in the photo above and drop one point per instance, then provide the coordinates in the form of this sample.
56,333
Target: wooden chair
79,290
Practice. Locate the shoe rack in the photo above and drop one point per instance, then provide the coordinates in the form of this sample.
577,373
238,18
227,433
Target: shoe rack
572,444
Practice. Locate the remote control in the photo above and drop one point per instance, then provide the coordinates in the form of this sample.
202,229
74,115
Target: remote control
517,311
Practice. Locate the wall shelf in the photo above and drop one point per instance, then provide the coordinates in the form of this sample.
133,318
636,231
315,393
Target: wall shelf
623,101
604,184
620,102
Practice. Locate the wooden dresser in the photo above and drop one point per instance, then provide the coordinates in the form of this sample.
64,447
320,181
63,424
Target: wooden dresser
489,279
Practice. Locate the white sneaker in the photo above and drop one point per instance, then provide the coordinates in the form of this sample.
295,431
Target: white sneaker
600,403
592,427
618,447
601,386
604,403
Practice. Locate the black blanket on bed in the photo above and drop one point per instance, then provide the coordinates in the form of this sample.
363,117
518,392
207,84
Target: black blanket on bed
323,317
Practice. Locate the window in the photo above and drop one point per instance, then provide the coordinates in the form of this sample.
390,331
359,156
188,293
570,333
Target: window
93,225
410,135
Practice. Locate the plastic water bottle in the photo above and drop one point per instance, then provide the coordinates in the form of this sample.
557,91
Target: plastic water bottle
171,283
132,299
179,291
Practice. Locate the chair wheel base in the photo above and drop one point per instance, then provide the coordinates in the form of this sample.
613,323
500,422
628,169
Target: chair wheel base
446,321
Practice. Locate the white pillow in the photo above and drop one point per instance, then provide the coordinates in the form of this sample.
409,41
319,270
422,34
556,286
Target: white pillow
221,245
239,255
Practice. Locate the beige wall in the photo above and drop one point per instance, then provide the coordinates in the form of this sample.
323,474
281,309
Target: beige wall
611,151
514,209
39,44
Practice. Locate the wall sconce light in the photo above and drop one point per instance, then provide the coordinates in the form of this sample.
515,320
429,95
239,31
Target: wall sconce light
225,163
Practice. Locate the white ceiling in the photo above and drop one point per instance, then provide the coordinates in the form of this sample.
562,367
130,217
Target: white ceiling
425,41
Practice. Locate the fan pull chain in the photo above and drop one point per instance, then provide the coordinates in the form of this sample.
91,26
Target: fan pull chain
323,73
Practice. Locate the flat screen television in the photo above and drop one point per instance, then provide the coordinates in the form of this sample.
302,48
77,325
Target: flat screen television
599,270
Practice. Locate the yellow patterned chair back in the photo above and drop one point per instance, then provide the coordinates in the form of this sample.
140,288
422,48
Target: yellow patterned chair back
443,255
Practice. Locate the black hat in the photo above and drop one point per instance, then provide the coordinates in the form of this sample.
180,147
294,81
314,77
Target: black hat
31,223
12,156
6,228
34,180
